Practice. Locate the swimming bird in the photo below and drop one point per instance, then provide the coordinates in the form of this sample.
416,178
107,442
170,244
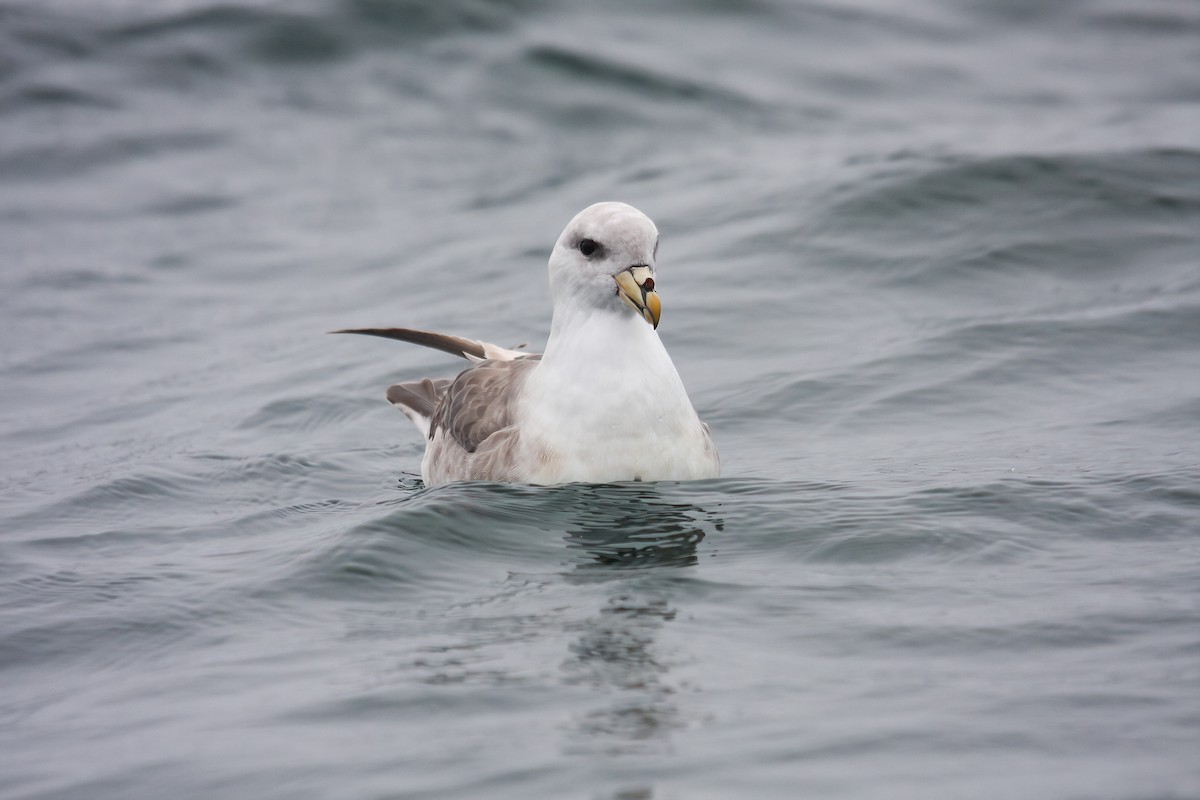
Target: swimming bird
603,404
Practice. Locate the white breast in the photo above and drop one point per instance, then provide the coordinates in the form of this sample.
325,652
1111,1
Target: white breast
606,404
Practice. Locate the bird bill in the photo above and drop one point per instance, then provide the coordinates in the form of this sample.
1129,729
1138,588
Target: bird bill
633,289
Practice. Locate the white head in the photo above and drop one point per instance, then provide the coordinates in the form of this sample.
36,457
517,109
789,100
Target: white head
605,259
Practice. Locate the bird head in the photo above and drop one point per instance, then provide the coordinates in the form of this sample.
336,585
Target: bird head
605,259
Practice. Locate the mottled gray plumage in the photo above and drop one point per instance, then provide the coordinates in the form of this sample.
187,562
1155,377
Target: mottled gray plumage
480,401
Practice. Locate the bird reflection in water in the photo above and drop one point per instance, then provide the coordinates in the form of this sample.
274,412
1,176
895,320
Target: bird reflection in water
631,526
634,541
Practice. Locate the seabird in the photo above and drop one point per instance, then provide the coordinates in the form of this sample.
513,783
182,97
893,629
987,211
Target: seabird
604,403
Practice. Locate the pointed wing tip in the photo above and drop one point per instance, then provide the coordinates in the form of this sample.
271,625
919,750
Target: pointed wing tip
454,345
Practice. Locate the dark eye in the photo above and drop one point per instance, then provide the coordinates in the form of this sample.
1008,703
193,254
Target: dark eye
587,247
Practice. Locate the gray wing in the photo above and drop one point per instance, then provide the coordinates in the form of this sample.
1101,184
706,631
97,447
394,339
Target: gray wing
472,407
481,401
470,349
419,397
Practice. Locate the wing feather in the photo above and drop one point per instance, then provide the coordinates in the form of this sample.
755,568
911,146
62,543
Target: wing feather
481,401
469,349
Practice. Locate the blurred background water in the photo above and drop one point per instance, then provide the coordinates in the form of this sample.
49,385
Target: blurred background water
930,269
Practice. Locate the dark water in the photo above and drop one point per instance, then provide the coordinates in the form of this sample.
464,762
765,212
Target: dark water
931,271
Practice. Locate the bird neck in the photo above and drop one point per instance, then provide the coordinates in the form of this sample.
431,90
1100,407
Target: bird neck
587,335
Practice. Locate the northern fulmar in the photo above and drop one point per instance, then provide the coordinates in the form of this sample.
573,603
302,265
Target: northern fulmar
604,403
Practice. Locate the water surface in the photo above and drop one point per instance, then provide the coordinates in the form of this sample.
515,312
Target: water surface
930,270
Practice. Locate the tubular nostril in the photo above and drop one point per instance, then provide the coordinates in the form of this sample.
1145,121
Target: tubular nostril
648,285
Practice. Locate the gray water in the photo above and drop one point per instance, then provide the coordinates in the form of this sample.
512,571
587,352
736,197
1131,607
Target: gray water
930,270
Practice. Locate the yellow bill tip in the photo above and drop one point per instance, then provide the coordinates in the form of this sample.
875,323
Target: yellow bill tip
636,288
